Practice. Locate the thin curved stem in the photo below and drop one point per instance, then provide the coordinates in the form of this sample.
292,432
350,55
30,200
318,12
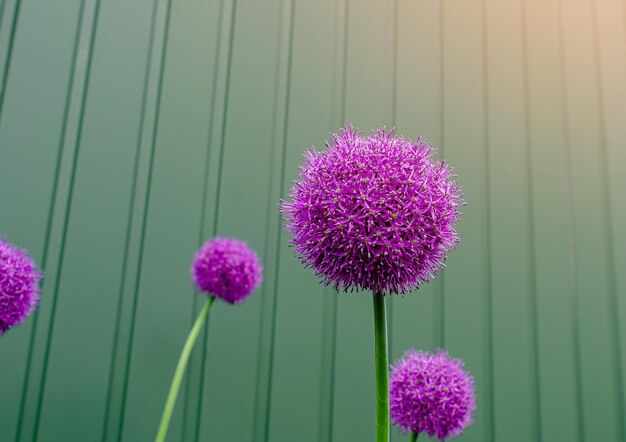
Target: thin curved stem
180,370
382,368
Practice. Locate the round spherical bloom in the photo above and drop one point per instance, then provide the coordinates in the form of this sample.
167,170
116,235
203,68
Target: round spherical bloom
227,269
19,285
431,393
373,213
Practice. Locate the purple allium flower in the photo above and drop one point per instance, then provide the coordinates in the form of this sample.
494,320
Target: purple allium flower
227,269
19,285
373,213
431,393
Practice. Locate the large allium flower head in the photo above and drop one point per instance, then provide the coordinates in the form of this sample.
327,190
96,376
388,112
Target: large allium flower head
373,213
431,393
19,285
227,269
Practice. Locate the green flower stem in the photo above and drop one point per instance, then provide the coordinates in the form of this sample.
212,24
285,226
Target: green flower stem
382,368
180,370
413,437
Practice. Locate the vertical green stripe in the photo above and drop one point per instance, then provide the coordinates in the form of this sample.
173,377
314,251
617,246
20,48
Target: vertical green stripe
594,292
271,256
75,118
532,255
148,136
613,305
281,126
488,296
44,261
6,48
70,140
131,263
574,303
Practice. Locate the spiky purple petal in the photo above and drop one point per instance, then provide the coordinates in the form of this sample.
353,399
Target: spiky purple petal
373,213
227,269
431,394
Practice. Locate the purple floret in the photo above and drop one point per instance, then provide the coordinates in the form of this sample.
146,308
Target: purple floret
19,285
373,213
431,394
227,269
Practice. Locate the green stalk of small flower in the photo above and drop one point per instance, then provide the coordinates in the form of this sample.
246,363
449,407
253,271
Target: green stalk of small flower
180,370
413,437
224,268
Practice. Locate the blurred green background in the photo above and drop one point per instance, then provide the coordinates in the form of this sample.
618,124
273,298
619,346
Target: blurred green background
131,131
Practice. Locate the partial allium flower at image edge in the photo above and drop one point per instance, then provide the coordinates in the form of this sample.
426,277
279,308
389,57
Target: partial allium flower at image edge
19,285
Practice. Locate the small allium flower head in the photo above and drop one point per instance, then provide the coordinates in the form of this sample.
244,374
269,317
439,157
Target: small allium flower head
431,394
373,213
19,285
227,269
